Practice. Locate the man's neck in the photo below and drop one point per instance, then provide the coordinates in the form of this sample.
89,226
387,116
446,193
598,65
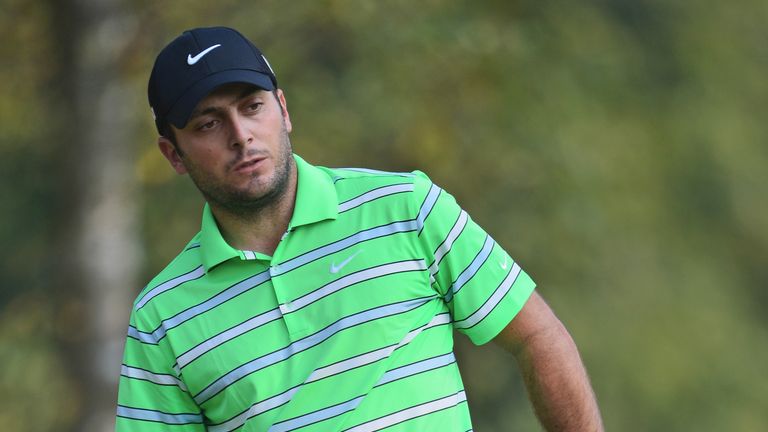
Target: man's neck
262,230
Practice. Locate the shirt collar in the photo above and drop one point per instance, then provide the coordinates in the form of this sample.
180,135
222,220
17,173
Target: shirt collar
316,200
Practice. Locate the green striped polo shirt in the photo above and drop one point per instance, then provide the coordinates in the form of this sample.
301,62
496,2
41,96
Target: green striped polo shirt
347,327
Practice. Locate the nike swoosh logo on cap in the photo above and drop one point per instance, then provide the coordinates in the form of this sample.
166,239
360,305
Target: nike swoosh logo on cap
192,60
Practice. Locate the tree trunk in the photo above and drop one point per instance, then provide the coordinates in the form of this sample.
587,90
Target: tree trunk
96,249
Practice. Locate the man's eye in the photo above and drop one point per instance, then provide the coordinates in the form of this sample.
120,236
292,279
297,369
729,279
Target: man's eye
207,125
255,106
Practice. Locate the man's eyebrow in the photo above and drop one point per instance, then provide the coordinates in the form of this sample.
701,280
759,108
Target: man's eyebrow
248,92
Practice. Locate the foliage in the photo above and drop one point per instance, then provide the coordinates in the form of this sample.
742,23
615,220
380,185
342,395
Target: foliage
617,149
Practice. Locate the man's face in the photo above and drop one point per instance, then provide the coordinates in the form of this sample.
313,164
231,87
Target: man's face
235,147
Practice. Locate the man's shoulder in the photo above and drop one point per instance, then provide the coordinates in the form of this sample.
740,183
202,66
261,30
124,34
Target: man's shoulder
185,266
352,181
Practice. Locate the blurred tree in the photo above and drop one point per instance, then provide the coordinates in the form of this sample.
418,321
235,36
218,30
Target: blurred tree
95,257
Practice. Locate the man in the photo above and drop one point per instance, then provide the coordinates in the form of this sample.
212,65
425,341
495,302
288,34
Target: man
313,298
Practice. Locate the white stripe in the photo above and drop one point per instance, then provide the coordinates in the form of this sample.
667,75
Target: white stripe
163,379
410,413
151,415
445,247
325,372
472,269
426,207
227,335
306,343
173,283
188,314
374,356
254,410
316,416
491,303
359,237
373,171
355,278
373,194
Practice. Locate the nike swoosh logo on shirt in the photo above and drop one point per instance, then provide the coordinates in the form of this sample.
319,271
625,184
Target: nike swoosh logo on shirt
192,60
337,268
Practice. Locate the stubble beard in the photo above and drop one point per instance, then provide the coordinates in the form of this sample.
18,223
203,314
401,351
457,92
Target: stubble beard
243,203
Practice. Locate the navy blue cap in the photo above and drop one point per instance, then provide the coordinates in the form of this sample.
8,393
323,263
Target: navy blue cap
196,63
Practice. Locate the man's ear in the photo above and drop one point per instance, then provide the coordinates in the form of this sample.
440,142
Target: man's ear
284,107
172,154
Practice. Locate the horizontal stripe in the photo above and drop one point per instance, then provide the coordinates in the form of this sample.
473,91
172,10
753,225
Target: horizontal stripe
143,374
192,246
355,278
375,194
492,301
377,172
316,416
303,344
346,406
410,413
158,416
235,290
472,269
359,237
255,410
376,355
447,244
328,371
416,368
169,285
226,336
427,205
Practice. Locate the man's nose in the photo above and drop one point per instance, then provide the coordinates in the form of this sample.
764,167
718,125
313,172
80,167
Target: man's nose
240,134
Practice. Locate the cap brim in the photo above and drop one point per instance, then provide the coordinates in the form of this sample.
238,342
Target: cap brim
182,109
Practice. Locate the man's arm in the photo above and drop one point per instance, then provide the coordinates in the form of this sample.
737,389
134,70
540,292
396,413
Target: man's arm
554,375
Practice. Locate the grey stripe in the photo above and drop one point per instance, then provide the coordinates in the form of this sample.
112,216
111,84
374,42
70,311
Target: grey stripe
343,407
354,278
317,416
255,409
324,372
173,283
162,379
157,416
372,171
491,303
416,368
180,318
410,413
426,207
446,245
227,335
374,194
374,356
372,233
472,269
306,343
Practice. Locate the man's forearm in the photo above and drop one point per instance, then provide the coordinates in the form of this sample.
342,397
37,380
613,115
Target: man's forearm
557,382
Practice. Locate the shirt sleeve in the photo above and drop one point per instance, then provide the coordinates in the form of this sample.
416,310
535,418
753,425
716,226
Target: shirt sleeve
151,395
483,287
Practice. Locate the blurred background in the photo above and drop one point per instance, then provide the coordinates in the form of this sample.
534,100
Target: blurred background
617,149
